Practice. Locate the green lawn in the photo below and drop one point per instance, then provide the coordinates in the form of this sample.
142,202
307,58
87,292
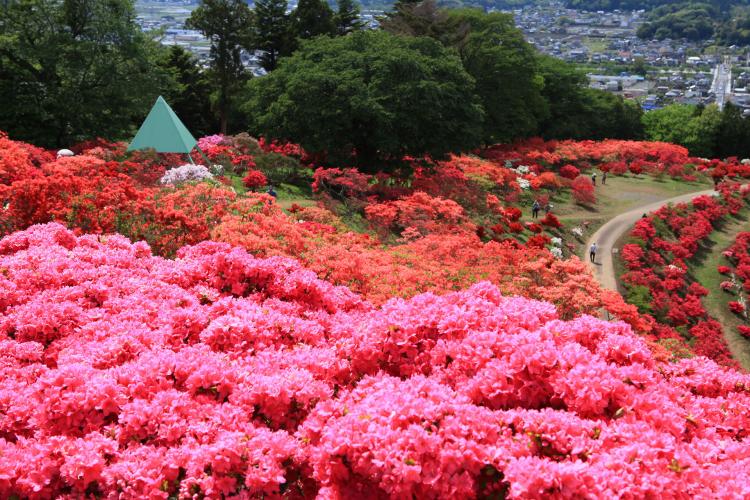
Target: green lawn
287,194
704,272
620,194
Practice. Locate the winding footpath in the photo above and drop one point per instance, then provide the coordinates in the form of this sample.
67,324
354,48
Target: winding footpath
606,237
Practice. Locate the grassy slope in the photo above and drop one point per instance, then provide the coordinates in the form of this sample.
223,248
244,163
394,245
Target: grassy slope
620,194
704,272
288,194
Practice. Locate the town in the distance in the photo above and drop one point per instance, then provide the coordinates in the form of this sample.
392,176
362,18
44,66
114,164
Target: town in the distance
655,72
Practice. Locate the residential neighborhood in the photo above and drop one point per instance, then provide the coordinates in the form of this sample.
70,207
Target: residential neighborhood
655,72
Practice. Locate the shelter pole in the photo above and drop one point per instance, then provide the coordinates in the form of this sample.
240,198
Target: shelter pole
208,162
191,159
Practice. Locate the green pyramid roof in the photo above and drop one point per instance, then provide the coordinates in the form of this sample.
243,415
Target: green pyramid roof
163,131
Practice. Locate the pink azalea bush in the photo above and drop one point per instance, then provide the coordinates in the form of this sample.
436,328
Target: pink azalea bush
207,142
217,374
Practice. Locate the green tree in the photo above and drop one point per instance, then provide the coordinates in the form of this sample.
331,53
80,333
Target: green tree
680,20
75,69
312,18
733,134
191,96
372,93
639,66
347,18
271,31
564,97
418,18
640,297
694,127
496,54
227,24
608,116
493,51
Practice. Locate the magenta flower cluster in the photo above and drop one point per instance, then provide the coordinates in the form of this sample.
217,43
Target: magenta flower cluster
217,374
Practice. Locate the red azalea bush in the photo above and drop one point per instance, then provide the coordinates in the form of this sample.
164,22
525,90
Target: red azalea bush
421,212
583,191
19,160
219,374
551,221
737,307
341,183
614,156
738,255
254,179
122,196
569,172
438,262
534,228
84,191
172,218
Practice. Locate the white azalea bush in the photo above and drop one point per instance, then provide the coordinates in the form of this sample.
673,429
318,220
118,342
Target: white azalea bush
184,173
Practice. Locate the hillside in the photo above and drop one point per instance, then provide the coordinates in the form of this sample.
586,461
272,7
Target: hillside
359,335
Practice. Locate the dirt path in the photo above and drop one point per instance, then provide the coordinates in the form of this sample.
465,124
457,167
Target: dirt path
606,237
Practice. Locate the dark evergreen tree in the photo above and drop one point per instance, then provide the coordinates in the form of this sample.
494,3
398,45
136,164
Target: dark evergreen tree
191,96
733,135
415,18
347,18
272,31
227,24
312,18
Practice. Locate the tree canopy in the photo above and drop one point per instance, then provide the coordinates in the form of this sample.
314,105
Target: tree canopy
694,127
191,96
503,64
522,92
347,19
271,32
227,24
372,93
75,69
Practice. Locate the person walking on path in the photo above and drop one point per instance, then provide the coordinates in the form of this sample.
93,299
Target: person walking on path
593,178
535,210
604,178
271,191
592,252
547,208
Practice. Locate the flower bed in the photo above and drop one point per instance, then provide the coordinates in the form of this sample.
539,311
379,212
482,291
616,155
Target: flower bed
219,374
738,256
433,245
657,259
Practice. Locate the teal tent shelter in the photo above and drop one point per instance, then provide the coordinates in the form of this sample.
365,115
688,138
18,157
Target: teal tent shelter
163,131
